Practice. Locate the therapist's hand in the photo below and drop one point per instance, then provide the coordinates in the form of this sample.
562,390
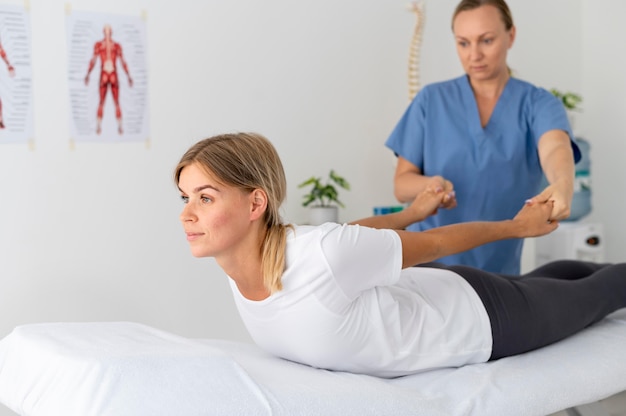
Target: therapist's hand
534,219
561,196
448,200
426,203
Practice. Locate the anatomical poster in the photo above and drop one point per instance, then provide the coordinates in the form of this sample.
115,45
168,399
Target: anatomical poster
108,77
16,95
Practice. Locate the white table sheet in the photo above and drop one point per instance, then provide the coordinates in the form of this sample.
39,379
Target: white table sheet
122,368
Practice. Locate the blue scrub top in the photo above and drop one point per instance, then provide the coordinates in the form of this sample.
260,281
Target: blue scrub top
493,169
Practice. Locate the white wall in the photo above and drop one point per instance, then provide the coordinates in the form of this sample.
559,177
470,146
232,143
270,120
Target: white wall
604,89
92,233
542,54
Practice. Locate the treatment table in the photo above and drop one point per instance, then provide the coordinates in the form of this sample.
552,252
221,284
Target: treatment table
124,368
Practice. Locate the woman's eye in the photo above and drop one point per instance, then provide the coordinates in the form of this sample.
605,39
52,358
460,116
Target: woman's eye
205,199
462,44
488,41
185,199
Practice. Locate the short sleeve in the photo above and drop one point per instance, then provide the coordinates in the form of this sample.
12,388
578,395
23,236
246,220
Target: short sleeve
407,138
548,114
361,258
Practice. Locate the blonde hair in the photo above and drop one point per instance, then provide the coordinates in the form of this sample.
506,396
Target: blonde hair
503,8
249,161
500,5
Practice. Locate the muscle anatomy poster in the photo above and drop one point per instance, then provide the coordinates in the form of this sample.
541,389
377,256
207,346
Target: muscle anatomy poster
16,95
108,77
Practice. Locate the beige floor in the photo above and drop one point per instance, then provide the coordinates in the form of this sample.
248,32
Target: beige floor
614,405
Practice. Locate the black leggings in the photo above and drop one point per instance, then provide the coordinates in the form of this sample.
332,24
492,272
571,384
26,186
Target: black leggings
546,305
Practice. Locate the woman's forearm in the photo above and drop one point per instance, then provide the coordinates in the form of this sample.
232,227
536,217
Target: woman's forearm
426,246
423,205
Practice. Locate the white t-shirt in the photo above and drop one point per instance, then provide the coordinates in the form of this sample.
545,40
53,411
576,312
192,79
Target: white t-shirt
347,305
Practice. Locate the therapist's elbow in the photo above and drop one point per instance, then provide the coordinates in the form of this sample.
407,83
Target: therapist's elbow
402,195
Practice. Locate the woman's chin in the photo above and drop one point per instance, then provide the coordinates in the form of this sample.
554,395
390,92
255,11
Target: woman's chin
199,253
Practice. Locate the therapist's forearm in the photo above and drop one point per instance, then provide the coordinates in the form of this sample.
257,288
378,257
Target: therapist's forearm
557,160
559,167
408,184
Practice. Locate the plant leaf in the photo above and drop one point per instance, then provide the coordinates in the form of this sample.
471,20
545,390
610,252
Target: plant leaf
311,180
339,180
308,199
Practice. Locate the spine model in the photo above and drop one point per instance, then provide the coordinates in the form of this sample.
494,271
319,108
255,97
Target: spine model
414,50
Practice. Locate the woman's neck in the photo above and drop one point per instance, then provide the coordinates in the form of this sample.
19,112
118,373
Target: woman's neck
487,94
490,88
244,266
248,276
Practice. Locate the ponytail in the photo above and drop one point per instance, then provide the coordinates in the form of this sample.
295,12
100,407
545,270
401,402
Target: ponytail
273,256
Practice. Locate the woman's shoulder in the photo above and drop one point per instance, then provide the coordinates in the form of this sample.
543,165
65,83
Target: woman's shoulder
336,231
309,235
532,97
444,90
308,230
446,85
526,88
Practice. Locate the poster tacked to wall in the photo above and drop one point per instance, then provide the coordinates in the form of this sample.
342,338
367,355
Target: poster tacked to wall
108,77
16,95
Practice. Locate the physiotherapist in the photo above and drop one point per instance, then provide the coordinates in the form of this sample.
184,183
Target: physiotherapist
486,138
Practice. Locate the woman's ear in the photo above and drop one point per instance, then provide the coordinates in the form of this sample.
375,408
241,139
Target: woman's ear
512,34
258,206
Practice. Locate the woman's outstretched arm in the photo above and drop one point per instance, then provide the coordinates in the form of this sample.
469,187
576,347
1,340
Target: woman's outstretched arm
425,246
424,204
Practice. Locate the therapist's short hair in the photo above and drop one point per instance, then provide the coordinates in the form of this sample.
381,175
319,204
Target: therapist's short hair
500,5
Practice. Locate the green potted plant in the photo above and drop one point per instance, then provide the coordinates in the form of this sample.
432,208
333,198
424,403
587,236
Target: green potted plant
323,197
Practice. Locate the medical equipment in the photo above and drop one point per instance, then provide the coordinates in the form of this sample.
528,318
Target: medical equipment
581,201
572,240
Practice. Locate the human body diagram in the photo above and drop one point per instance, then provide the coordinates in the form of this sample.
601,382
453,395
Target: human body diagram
109,52
11,70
